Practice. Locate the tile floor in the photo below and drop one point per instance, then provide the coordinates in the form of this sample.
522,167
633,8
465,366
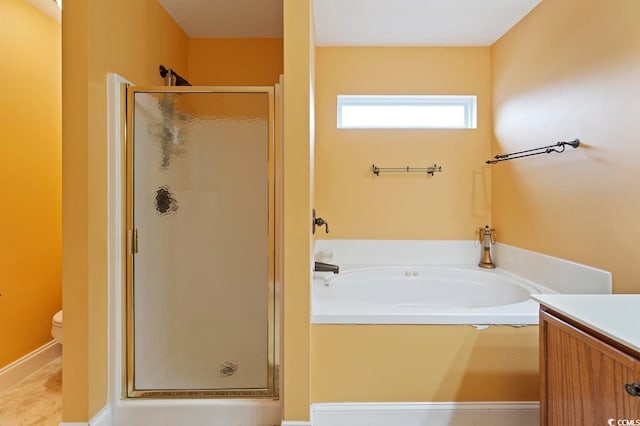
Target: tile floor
35,401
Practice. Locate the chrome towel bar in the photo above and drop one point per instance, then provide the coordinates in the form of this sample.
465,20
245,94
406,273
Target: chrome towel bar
557,147
428,170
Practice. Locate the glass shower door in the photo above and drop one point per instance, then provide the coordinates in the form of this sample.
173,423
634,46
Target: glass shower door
200,228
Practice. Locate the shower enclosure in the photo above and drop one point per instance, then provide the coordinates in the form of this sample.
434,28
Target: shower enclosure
201,306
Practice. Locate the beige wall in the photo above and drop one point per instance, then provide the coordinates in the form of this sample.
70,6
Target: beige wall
235,61
359,205
388,363
131,39
298,142
570,69
30,107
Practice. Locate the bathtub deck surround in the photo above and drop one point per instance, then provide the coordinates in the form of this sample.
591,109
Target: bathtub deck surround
557,274
439,282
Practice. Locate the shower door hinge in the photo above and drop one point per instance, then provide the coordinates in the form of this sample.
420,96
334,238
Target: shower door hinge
133,241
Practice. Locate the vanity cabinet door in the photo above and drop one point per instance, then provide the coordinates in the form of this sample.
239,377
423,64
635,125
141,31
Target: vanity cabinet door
583,378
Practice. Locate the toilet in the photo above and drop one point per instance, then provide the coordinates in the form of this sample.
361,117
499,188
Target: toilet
56,327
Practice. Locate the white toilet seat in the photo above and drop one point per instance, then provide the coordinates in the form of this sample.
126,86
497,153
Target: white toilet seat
56,327
57,319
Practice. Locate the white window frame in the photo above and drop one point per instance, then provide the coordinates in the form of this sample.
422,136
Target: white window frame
468,102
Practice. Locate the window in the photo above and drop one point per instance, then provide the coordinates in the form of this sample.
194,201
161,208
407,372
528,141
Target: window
406,112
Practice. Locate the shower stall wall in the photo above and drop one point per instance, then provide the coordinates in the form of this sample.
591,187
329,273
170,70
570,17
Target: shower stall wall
200,294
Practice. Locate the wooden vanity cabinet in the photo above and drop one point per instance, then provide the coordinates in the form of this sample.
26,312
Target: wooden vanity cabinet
586,378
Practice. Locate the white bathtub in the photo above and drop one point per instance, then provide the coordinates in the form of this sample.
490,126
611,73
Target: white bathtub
423,295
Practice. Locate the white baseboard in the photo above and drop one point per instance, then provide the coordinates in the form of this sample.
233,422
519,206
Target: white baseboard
292,423
28,364
103,418
432,414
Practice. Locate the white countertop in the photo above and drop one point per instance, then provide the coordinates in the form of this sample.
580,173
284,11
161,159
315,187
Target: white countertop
612,315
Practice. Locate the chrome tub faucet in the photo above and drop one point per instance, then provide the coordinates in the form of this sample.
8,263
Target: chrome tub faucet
326,267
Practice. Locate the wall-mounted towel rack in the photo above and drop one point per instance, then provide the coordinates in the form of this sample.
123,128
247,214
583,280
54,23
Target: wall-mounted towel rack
557,147
428,170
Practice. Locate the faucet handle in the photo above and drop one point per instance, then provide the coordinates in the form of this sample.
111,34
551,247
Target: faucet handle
318,221
321,222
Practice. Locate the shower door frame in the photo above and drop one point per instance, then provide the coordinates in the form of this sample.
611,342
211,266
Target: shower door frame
130,242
